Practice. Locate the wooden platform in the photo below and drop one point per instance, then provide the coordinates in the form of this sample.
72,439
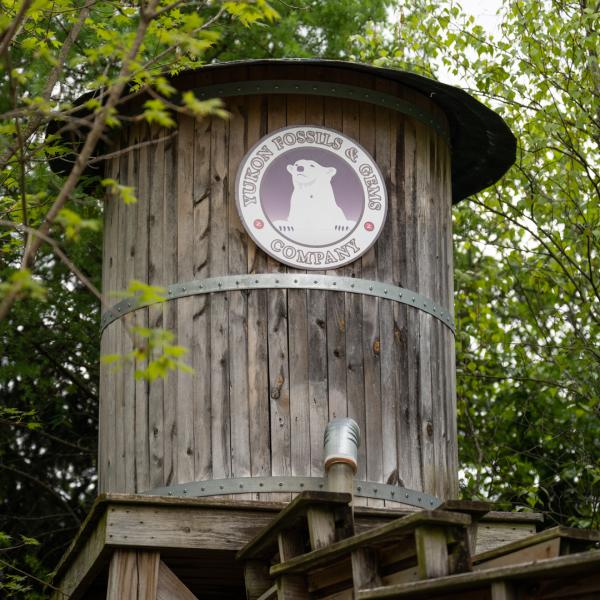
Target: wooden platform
197,539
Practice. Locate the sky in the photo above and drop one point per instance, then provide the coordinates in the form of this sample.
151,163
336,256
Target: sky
485,15
484,12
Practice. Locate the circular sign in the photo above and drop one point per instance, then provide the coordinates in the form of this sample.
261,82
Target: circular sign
311,197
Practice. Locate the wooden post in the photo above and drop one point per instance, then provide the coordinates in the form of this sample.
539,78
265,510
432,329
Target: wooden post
133,575
432,551
256,578
365,569
291,587
503,590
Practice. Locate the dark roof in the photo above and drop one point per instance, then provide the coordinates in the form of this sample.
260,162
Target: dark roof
483,147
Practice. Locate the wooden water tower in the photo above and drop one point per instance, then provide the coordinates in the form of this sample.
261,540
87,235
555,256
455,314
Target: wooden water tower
305,249
279,350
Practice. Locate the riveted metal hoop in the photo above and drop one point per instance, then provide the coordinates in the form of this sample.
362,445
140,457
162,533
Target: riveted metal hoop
245,485
288,281
319,88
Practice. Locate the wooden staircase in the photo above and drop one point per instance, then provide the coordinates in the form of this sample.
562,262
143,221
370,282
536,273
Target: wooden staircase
310,551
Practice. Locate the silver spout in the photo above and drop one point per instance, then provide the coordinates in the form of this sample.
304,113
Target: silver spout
342,439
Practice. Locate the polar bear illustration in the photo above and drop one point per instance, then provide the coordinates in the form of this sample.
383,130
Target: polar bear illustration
315,217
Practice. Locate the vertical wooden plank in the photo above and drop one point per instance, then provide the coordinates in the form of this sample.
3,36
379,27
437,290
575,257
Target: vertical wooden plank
258,380
201,343
387,325
450,362
321,527
411,443
256,578
219,323
148,574
298,345
130,242
371,337
365,569
122,576
355,382
170,250
425,242
317,341
119,284
399,224
504,590
238,308
181,201
279,384
292,587
156,242
107,381
141,431
133,575
335,119
432,551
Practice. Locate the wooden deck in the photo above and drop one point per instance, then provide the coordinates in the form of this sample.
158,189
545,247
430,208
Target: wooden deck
198,539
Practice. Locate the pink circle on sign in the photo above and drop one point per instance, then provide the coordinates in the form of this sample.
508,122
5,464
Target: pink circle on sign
258,223
369,226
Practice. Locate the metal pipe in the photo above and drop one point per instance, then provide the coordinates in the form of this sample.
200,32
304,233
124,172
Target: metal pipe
342,438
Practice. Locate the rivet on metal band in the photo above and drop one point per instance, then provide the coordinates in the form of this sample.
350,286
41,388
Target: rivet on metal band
288,281
319,88
252,485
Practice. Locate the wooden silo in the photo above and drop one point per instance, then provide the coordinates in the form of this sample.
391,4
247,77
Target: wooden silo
278,350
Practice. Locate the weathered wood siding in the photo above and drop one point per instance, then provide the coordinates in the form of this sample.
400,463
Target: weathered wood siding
272,367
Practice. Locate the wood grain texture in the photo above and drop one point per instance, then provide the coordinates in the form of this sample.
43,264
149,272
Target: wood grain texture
432,551
141,422
170,587
238,307
156,276
271,367
183,199
278,348
201,343
134,576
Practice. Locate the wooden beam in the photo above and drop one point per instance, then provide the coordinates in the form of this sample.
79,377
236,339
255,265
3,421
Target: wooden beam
256,578
181,527
292,587
133,575
432,551
88,556
291,543
321,527
170,587
503,590
580,565
365,569
539,545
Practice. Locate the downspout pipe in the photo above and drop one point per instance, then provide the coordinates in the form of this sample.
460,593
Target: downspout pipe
341,442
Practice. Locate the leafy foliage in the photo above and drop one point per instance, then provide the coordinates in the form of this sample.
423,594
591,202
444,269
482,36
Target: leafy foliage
527,250
51,53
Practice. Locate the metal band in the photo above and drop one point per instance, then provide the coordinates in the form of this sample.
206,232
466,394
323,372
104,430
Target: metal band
245,485
290,281
319,88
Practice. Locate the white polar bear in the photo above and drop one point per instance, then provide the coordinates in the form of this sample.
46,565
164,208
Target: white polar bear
315,218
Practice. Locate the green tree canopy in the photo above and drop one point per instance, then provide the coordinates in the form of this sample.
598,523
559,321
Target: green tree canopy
527,250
